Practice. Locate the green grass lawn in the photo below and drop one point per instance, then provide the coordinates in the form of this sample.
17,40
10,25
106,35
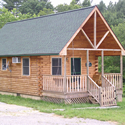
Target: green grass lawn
117,115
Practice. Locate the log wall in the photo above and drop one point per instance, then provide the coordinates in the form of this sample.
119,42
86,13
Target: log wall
15,82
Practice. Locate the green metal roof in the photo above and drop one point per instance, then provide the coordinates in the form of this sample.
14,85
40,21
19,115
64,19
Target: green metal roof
44,35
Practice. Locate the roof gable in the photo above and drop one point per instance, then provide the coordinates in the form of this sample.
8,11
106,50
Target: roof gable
42,35
98,33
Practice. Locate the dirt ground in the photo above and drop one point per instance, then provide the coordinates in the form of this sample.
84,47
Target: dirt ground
19,115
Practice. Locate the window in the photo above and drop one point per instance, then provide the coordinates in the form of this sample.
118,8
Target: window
56,66
26,66
3,64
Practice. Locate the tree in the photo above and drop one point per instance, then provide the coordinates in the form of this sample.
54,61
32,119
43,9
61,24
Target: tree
111,18
111,7
35,6
7,16
120,8
102,7
45,12
65,7
86,3
10,4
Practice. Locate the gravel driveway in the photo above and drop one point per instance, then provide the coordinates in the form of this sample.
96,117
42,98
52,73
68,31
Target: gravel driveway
19,115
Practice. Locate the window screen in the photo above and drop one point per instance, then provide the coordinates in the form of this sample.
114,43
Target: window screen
25,66
3,64
56,66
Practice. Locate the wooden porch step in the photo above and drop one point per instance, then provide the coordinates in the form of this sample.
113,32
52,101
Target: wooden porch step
92,100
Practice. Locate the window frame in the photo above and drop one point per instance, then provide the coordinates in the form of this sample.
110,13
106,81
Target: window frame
52,65
22,66
2,64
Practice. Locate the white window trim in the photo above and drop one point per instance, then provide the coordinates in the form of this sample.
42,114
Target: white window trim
52,66
2,64
29,65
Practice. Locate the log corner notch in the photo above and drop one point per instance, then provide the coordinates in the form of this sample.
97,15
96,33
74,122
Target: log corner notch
95,45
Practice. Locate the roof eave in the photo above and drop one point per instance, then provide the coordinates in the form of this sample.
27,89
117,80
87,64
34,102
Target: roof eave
33,54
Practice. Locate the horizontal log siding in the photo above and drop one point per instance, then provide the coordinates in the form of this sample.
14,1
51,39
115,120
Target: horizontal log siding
15,82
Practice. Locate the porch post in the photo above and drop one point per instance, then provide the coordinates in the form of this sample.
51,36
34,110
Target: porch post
102,66
64,82
121,70
119,91
87,68
95,30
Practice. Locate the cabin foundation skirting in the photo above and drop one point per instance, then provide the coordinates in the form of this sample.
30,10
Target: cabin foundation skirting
70,100
66,101
50,99
21,95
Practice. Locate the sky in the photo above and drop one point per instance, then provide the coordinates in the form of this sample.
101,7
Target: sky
57,2
95,2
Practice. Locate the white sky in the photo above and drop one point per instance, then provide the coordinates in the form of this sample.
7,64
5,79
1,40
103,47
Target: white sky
57,2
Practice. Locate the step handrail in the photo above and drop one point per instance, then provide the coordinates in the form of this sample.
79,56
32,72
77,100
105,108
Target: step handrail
108,81
93,81
94,91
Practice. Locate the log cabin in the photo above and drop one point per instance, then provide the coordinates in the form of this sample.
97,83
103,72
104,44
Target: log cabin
55,58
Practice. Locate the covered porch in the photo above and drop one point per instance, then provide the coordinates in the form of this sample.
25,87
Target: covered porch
104,88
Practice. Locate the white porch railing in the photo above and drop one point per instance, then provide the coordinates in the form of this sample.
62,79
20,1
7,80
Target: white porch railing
74,83
115,79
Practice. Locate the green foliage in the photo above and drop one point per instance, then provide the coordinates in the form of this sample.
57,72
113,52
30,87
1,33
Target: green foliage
120,8
112,20
123,90
75,4
35,6
45,12
10,4
65,7
86,3
111,64
6,16
102,6
14,15
119,31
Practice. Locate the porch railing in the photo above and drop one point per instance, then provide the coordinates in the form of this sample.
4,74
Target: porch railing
115,79
108,93
53,83
94,89
74,83
106,82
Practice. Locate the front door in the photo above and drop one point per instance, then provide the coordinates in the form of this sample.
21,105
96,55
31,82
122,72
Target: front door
75,66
